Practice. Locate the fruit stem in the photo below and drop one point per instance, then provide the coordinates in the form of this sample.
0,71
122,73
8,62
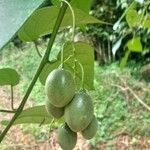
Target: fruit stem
7,111
62,58
37,49
73,35
73,18
82,71
44,60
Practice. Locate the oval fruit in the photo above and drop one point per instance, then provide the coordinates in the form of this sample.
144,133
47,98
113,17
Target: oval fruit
60,87
66,138
90,131
54,111
79,112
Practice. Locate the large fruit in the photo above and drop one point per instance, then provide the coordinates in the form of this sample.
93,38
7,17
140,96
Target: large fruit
91,129
60,87
79,112
66,138
56,112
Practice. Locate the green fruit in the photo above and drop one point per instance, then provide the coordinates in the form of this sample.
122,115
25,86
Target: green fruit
60,87
54,111
79,112
66,138
90,131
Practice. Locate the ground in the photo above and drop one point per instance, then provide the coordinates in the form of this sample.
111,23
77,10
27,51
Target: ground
17,140
129,122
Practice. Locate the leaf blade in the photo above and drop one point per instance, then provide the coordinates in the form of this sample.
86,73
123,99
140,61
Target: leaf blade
38,24
37,115
14,15
83,52
133,18
9,76
135,45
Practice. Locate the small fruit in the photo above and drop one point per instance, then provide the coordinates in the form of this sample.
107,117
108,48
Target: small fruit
54,111
66,138
90,131
60,87
79,112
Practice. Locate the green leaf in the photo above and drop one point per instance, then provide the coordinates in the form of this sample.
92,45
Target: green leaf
83,5
135,45
125,59
13,14
146,23
47,69
133,18
56,2
37,114
9,76
84,54
39,24
131,6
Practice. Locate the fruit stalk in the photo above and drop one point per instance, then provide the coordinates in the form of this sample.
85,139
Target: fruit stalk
73,35
41,65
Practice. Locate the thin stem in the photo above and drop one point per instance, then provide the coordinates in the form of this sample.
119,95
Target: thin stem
12,97
50,128
115,26
68,58
37,49
7,111
130,6
41,65
73,35
42,122
73,18
82,71
75,65
52,122
62,58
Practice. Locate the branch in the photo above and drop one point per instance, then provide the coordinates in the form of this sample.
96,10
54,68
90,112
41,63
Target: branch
7,111
133,93
41,65
140,101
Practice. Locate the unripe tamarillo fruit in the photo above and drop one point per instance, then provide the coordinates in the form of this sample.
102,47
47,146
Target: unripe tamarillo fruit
60,87
56,112
79,112
90,131
66,138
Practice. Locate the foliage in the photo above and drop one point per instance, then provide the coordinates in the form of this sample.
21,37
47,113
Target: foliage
33,28
84,53
36,114
14,16
26,33
5,79
118,105
25,62
130,20
118,111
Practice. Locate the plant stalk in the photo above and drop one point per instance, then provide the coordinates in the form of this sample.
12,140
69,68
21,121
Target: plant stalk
7,111
41,65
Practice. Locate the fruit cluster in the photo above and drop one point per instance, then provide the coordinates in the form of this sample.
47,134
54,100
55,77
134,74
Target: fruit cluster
76,107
